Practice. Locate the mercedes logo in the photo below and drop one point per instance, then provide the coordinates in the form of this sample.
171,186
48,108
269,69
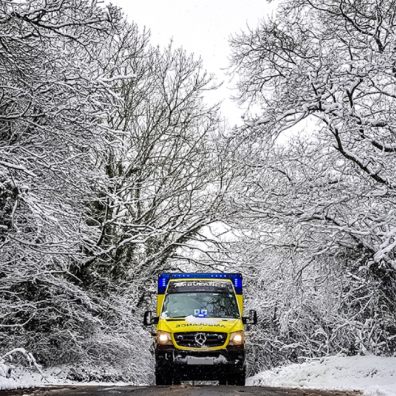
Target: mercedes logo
200,338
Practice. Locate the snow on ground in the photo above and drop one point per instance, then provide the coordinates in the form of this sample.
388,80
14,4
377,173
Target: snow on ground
373,375
23,378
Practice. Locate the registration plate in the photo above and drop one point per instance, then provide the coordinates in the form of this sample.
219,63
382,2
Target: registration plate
204,361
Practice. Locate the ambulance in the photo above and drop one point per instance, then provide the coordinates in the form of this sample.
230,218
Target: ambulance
200,328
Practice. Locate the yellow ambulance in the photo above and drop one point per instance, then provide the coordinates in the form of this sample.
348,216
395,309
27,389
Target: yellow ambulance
200,328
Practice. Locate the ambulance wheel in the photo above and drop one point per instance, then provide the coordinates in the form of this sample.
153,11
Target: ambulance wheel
223,381
176,380
238,378
163,377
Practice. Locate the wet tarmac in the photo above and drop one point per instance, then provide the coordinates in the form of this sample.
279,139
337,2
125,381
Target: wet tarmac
177,390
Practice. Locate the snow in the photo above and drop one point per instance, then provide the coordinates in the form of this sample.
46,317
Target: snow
26,378
5,371
13,375
387,246
17,167
373,375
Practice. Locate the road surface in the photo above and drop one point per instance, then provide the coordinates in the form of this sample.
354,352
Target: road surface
180,390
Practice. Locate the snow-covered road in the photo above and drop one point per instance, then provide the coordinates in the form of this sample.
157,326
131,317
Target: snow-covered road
181,390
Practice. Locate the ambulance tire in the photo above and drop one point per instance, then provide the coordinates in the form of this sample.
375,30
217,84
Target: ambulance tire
238,378
223,381
176,380
163,377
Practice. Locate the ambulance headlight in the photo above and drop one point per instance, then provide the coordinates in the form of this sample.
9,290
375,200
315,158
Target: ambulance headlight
237,338
164,338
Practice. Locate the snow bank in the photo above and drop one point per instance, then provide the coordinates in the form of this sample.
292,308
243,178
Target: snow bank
12,376
373,375
26,378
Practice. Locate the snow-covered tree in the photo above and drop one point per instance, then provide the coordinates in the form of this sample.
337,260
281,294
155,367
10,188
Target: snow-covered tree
325,200
110,162
53,101
166,173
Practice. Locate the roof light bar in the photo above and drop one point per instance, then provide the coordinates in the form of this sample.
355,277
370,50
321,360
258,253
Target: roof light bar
163,279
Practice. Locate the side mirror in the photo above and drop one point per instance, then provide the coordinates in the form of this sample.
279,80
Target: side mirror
149,319
251,319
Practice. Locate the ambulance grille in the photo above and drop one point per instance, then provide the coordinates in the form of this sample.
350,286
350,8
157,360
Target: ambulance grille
200,339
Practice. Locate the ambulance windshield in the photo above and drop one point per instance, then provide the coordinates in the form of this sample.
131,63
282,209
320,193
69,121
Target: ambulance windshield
200,304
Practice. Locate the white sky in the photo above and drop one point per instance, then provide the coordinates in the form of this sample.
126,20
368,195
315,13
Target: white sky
199,26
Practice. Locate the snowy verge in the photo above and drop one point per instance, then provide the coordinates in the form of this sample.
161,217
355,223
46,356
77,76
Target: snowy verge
373,375
19,369
26,378
11,376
